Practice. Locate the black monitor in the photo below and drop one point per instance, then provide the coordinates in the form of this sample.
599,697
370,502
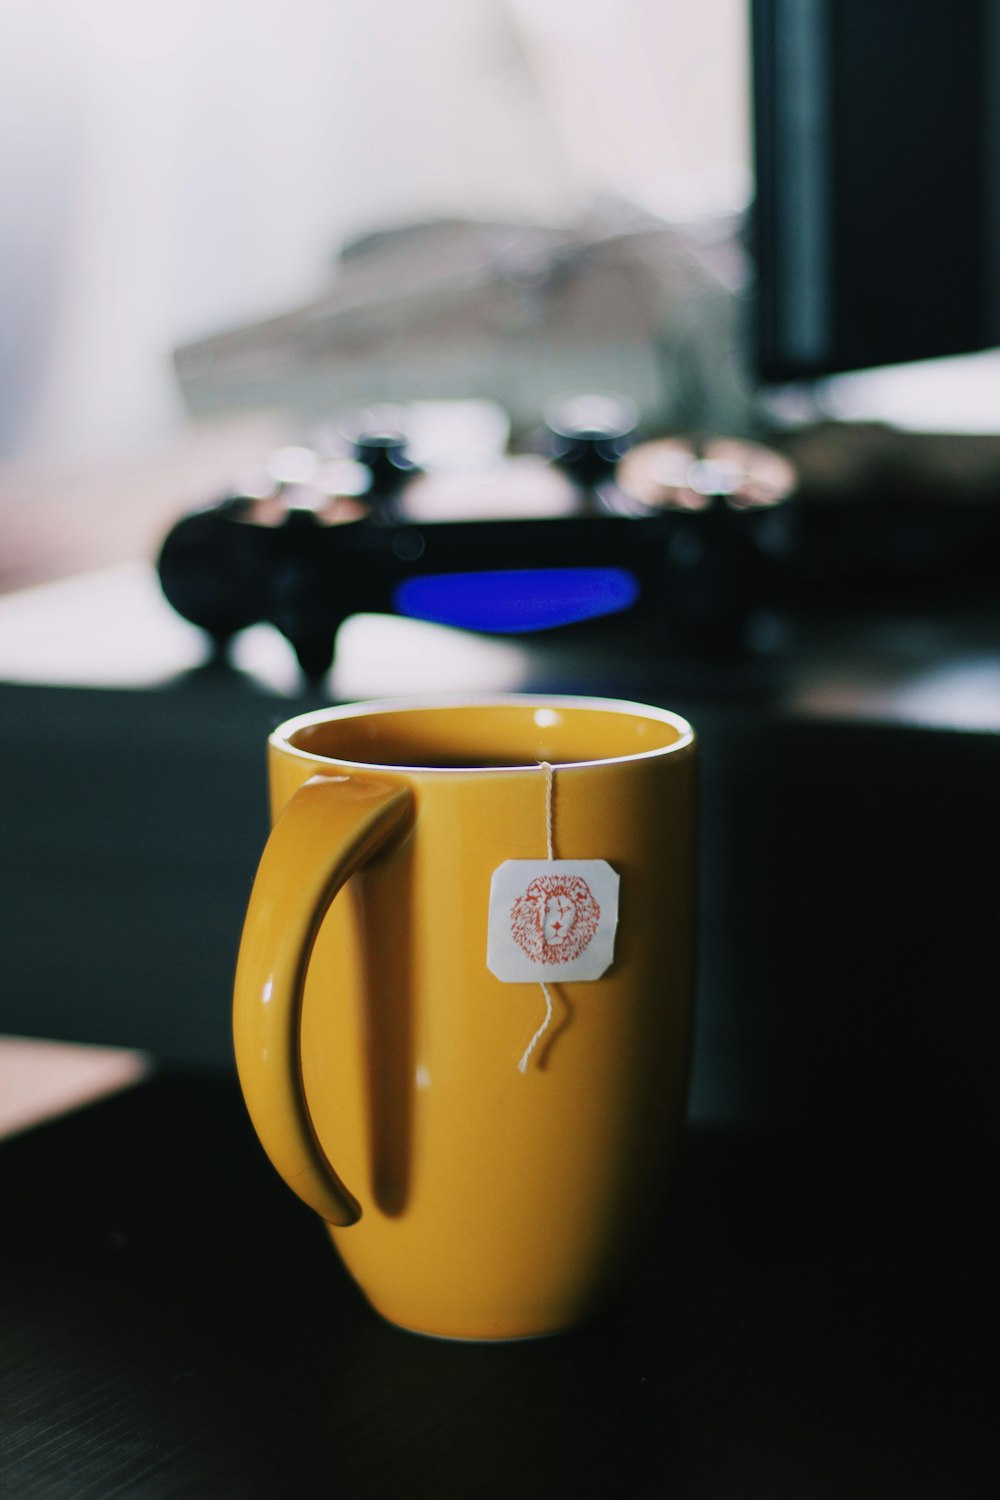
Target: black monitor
876,226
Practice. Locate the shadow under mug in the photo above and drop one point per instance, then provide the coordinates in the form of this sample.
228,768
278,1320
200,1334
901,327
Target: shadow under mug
490,1156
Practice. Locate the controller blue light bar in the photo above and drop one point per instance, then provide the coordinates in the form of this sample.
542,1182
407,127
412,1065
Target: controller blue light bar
517,599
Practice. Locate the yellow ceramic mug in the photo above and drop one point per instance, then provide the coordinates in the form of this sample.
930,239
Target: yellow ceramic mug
489,1155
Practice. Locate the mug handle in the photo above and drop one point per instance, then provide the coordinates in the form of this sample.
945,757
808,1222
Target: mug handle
328,829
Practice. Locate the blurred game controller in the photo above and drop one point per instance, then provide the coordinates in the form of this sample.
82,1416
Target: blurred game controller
587,520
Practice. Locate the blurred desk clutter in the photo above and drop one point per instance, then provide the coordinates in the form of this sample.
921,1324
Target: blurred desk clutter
513,312
420,511
423,510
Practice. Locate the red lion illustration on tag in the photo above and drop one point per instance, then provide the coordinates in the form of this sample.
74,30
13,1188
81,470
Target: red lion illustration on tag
555,919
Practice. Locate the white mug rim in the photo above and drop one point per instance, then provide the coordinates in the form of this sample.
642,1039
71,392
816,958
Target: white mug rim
282,738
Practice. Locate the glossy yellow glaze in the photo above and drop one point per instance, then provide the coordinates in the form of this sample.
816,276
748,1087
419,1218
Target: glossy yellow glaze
378,1054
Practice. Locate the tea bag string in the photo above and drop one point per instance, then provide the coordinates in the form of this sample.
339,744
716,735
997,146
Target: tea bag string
550,856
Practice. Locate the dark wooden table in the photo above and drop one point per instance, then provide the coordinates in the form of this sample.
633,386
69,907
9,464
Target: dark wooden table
814,1322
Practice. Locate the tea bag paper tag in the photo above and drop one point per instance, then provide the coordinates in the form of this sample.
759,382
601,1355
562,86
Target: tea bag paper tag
552,919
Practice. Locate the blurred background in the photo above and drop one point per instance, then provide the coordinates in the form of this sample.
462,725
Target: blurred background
173,170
